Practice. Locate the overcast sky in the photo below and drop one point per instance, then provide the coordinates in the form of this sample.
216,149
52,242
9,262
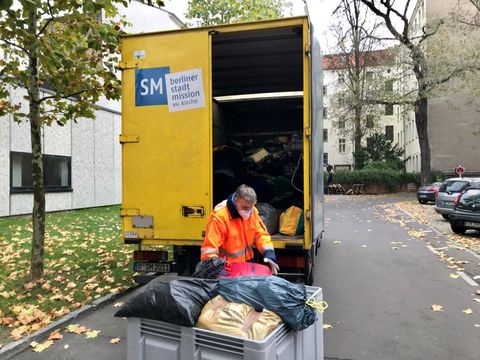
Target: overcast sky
179,8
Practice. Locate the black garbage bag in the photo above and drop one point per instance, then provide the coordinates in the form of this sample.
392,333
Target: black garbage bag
210,268
282,297
269,217
178,301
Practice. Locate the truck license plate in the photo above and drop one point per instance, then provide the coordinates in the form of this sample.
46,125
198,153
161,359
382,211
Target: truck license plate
472,224
156,267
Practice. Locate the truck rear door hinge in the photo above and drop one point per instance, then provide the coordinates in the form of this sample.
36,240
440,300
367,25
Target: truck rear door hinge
308,214
125,65
129,212
129,139
308,49
308,132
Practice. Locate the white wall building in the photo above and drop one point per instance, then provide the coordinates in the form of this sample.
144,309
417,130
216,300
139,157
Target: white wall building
82,161
338,145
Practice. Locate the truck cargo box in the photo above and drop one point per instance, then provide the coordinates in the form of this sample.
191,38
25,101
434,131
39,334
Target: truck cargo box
207,109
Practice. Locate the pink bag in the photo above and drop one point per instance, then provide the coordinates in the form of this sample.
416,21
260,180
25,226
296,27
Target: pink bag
246,269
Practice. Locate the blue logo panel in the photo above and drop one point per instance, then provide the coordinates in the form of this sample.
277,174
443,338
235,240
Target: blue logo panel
150,86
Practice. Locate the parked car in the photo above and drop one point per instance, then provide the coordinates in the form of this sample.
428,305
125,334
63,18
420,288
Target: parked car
428,193
466,214
448,192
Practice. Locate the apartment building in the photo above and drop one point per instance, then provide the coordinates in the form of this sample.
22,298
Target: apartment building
338,140
82,161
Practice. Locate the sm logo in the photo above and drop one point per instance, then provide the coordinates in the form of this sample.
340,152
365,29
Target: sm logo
150,86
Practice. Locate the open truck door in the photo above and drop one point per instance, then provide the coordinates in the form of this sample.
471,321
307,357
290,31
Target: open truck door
167,146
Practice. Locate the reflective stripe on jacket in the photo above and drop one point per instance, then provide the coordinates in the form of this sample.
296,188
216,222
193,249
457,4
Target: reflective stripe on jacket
233,238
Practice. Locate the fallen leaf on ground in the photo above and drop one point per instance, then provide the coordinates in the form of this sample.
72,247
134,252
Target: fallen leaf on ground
437,307
364,246
92,334
66,346
76,329
395,248
43,346
55,335
468,312
327,326
477,325
115,341
337,242
454,276
478,292
477,300
118,304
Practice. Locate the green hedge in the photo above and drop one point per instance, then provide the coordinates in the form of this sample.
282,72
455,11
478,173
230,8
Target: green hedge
389,177
378,174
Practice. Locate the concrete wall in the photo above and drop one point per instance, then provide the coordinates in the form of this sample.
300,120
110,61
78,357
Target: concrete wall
4,166
454,129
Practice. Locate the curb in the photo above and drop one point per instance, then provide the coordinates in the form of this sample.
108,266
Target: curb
16,347
440,233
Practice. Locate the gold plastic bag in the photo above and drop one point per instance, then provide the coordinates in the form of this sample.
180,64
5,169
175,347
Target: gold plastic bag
237,319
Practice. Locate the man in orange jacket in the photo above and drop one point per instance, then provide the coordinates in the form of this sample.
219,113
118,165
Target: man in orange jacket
235,227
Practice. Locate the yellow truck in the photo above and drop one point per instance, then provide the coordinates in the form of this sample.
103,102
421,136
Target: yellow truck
206,109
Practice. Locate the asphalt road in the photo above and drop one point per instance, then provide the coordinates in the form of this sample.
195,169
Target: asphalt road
379,294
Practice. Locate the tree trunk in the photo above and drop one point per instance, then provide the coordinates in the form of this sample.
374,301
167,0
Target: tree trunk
421,122
38,212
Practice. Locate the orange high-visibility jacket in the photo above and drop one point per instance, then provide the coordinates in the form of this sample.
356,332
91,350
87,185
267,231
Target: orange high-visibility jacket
233,238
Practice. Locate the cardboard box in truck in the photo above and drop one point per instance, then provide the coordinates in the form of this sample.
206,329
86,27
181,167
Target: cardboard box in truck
198,106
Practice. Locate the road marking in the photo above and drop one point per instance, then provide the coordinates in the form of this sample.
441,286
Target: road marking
467,278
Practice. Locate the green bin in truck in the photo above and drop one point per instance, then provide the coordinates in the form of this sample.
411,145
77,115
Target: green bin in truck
206,109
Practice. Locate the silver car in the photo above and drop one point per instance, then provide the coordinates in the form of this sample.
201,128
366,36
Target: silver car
448,193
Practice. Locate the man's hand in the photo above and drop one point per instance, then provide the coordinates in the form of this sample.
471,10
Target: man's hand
273,265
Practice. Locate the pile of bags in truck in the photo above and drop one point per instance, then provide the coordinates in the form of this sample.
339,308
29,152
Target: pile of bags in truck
250,307
273,167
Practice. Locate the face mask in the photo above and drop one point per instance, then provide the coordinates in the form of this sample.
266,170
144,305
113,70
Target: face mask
245,214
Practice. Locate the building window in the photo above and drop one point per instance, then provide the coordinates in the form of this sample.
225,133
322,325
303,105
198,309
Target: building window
325,158
341,78
389,109
324,112
369,121
389,132
57,172
324,89
341,145
341,124
325,135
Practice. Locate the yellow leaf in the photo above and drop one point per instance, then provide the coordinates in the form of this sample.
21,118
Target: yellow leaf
468,311
115,341
19,332
477,300
327,326
71,285
76,329
55,335
118,304
43,346
395,248
33,344
364,246
337,242
437,307
66,346
454,276
92,334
